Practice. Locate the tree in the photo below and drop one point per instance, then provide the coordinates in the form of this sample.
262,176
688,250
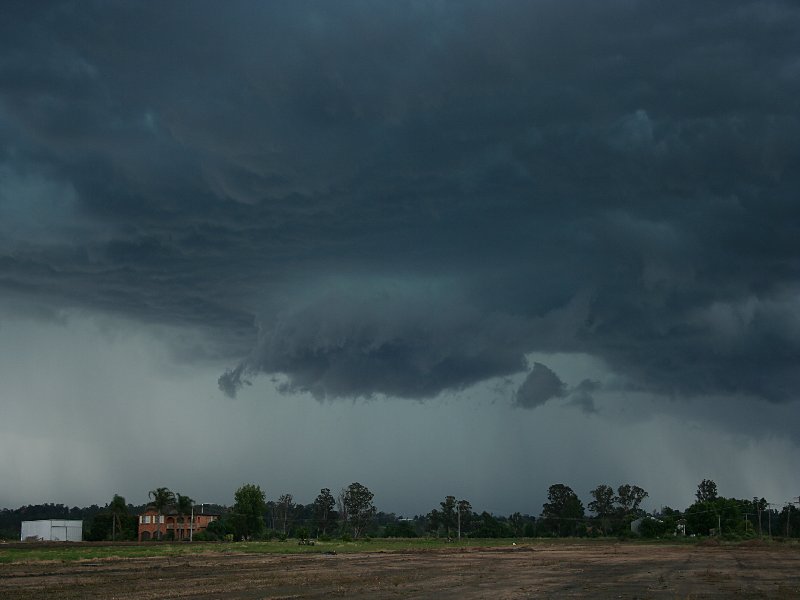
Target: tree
455,515
789,521
706,490
433,521
341,508
759,506
652,527
489,526
629,499
323,507
357,501
184,505
448,516
113,523
563,510
464,515
284,508
162,498
704,516
119,511
516,522
400,529
603,504
248,511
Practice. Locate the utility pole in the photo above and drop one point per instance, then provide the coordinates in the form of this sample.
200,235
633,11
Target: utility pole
191,522
788,517
798,504
459,523
769,514
758,506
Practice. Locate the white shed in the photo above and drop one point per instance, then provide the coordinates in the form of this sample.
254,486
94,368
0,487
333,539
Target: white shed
51,530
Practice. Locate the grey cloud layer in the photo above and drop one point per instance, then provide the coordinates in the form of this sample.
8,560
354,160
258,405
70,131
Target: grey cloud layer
614,178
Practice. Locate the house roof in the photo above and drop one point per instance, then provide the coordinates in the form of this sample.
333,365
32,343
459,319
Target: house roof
173,512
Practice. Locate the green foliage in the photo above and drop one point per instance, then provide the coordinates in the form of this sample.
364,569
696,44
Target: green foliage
112,523
563,511
706,491
183,504
161,498
488,526
217,530
284,510
67,552
447,516
432,522
400,529
357,501
629,498
247,519
453,513
603,503
703,517
323,510
105,526
789,521
655,528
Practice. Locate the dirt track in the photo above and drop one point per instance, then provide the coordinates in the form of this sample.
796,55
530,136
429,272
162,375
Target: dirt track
540,571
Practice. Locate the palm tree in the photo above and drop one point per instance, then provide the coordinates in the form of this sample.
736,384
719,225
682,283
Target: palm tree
118,509
162,498
184,506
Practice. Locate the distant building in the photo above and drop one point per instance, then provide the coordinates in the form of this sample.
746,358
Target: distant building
172,526
51,530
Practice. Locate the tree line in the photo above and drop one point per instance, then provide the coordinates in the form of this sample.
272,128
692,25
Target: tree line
351,514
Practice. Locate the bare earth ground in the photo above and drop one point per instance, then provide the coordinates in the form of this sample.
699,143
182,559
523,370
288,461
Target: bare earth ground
579,570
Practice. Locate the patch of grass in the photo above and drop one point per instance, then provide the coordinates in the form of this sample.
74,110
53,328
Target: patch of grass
69,552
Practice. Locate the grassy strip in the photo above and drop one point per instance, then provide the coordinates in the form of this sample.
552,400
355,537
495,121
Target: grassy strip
68,552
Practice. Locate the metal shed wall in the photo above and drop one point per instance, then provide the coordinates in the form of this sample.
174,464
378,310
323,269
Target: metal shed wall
55,530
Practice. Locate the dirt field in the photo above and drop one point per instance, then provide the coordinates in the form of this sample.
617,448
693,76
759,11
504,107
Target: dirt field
579,570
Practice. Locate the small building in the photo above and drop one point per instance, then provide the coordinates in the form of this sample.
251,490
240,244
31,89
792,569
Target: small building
170,525
51,530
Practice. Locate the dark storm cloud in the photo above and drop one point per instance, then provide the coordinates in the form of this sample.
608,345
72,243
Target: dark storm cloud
400,340
614,178
541,385
581,396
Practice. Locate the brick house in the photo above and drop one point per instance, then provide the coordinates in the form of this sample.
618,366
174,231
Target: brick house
173,526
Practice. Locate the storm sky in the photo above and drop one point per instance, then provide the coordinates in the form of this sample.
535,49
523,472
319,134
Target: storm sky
471,248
